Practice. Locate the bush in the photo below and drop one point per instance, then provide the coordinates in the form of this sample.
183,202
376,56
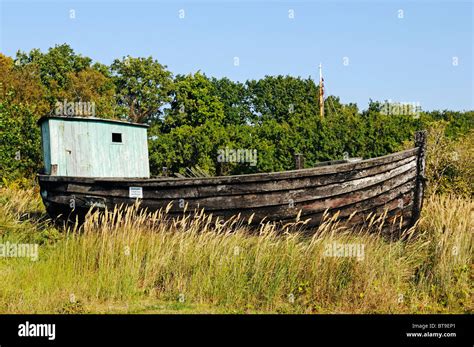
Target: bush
20,142
450,162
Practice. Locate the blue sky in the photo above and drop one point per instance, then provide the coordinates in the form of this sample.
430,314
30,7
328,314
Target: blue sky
407,59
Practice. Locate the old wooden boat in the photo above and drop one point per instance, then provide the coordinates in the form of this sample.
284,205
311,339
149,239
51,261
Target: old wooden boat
72,182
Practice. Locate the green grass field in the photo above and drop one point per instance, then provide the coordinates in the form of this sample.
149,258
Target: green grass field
134,262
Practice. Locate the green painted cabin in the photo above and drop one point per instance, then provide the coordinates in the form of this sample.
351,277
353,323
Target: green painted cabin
94,147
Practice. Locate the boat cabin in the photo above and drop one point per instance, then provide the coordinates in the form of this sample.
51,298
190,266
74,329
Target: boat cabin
94,147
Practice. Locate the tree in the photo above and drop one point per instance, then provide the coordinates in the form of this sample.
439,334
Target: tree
91,85
278,97
235,98
20,141
186,147
67,75
192,130
22,86
55,65
143,87
194,102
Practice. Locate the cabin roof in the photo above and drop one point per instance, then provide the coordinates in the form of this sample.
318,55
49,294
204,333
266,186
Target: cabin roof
91,119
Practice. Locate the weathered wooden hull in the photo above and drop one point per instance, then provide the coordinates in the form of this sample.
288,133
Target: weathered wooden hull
391,184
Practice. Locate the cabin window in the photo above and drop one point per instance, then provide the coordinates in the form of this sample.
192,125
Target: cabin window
116,137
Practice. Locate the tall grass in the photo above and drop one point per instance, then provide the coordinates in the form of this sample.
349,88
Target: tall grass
129,260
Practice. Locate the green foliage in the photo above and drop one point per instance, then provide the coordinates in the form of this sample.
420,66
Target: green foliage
457,123
186,146
450,167
55,64
39,80
54,68
278,97
194,102
91,85
20,142
235,98
143,87
277,116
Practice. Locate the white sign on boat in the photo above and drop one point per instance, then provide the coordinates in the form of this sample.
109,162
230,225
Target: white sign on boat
135,192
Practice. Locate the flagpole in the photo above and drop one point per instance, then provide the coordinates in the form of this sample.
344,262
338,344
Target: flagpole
321,91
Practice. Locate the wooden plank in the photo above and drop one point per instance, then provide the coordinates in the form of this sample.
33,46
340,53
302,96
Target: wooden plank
393,207
199,192
361,198
290,197
420,143
362,205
